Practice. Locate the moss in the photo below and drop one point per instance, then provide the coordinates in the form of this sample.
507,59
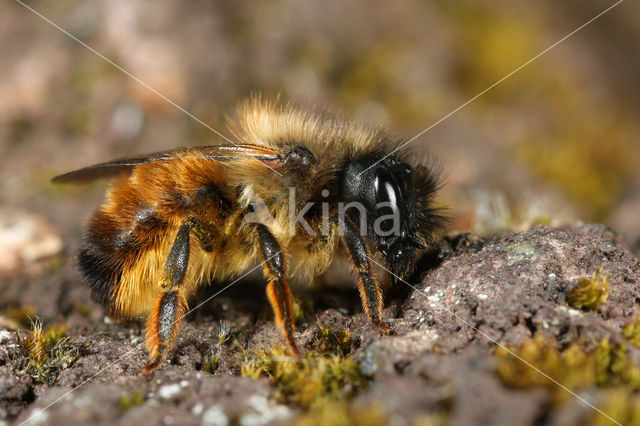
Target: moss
21,315
435,419
590,292
35,345
81,308
309,381
55,334
211,364
338,413
301,308
335,341
129,400
47,352
618,404
607,366
590,156
631,332
327,373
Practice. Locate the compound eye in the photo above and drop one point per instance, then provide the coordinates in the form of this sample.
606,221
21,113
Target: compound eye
389,193
390,201
387,189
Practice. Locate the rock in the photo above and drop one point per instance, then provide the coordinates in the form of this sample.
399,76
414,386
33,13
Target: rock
469,295
25,239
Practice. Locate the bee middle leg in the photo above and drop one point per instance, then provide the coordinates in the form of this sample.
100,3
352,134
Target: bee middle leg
171,304
278,291
369,289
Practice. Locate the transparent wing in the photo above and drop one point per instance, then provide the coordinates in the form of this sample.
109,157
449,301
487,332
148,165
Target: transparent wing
270,156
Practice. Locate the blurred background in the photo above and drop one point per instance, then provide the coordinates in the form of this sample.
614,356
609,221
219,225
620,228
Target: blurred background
554,143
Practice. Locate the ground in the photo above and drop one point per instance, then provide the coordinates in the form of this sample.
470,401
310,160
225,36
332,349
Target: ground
464,325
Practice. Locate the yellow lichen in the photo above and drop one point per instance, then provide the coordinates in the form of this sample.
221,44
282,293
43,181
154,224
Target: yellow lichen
590,292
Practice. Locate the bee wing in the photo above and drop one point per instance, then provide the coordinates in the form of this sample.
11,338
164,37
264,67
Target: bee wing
271,157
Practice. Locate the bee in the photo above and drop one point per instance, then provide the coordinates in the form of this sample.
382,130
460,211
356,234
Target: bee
297,188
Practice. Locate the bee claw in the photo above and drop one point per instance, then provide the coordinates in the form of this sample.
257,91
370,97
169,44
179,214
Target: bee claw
384,328
150,368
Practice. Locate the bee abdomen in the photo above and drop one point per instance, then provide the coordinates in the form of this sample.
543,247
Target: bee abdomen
111,245
99,273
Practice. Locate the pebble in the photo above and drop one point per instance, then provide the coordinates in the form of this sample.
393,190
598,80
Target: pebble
169,391
215,416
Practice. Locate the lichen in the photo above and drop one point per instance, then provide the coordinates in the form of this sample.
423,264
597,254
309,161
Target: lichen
590,292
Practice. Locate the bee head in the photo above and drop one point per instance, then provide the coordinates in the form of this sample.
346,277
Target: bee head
392,206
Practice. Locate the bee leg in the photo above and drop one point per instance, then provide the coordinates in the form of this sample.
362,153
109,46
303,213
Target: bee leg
370,292
171,305
278,291
203,233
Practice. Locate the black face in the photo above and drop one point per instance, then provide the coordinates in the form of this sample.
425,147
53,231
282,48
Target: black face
384,186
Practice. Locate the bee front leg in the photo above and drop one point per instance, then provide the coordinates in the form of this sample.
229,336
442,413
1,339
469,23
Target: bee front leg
370,292
171,305
278,291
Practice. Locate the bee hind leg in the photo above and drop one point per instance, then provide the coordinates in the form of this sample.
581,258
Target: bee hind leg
369,289
171,304
278,291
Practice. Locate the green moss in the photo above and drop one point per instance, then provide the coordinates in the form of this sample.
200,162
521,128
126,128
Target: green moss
47,352
35,344
81,308
333,341
438,418
371,76
21,315
211,364
574,368
309,381
590,292
327,373
619,405
55,334
339,413
631,332
129,400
